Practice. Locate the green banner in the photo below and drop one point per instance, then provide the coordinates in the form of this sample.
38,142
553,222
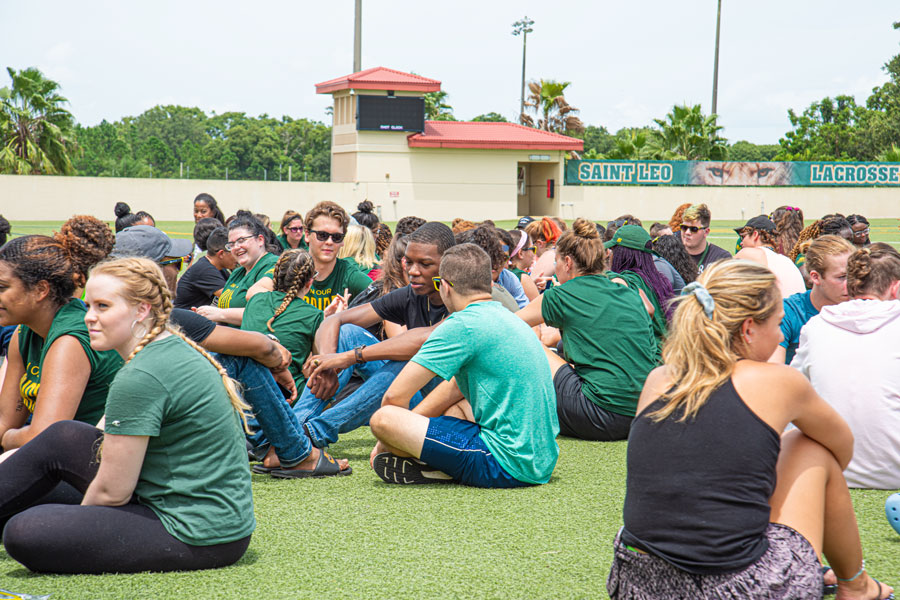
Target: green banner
696,172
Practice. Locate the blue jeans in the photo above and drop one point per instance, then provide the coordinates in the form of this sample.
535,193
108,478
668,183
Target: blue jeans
354,411
272,414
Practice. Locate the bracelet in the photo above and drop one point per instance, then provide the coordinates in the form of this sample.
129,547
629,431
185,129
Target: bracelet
860,572
358,353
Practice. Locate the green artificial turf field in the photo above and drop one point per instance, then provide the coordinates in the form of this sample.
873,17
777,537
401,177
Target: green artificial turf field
722,234
355,537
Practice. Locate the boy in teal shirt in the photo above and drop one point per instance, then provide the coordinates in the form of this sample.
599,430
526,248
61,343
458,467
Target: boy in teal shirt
492,422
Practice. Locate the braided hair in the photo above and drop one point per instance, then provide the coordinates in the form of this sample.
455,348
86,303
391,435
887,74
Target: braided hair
872,270
859,220
641,262
62,260
4,230
383,237
788,225
143,282
827,225
293,272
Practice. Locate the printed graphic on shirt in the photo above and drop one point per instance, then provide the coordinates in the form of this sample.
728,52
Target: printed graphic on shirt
225,298
320,298
29,385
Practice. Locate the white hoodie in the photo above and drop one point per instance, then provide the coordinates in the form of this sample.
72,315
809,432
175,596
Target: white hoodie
851,354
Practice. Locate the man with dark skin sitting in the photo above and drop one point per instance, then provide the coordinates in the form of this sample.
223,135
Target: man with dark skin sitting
345,346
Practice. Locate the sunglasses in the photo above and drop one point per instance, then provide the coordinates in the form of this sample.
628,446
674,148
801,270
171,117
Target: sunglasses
616,223
692,228
238,242
532,248
861,233
337,238
294,229
437,283
172,261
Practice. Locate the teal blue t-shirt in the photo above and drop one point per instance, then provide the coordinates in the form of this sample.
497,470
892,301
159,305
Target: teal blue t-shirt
798,309
511,393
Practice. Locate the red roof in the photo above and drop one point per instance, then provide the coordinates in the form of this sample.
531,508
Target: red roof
490,135
380,78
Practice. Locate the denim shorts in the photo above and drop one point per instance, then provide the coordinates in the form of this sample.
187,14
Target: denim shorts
455,447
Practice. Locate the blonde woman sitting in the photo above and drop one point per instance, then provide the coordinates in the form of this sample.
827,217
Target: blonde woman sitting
169,488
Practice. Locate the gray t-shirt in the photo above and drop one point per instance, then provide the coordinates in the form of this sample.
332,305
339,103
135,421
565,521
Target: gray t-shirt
501,295
668,271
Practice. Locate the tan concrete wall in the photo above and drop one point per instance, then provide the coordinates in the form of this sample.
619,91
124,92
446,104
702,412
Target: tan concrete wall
659,202
36,198
480,191
54,198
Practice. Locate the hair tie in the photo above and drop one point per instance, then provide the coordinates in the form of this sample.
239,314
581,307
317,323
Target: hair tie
519,245
702,295
505,248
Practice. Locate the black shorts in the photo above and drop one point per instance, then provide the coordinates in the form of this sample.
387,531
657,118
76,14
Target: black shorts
581,418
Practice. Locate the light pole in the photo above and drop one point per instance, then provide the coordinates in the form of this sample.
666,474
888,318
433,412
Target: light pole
523,26
357,38
716,61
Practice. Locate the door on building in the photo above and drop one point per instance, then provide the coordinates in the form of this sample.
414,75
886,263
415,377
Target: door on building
533,197
522,204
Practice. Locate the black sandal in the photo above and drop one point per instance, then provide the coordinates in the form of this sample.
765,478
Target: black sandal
325,467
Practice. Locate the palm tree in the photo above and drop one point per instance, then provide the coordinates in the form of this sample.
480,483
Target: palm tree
436,107
36,133
890,155
553,113
633,145
685,134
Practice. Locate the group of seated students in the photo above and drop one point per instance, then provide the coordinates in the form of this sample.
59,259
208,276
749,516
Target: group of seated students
466,350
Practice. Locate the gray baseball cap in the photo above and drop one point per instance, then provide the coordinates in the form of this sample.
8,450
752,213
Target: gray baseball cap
149,242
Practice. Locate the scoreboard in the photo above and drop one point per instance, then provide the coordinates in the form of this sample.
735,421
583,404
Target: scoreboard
390,113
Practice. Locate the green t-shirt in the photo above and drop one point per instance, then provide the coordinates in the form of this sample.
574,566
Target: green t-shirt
282,239
658,320
295,328
352,261
511,394
344,276
194,475
69,320
606,336
234,294
518,272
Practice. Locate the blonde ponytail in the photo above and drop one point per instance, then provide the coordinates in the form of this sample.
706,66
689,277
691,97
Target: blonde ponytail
143,282
700,351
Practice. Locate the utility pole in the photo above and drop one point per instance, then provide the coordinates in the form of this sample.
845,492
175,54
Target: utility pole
522,26
716,61
357,38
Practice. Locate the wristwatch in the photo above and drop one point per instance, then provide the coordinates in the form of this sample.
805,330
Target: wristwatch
358,353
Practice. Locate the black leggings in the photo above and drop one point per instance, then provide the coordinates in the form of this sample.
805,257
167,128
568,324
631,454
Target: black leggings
57,538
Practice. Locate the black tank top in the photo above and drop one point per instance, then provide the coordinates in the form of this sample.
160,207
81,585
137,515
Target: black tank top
697,492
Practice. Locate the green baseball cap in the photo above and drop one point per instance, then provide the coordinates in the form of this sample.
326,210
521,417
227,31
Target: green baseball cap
631,236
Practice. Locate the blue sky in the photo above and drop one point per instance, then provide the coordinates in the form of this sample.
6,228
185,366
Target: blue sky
627,62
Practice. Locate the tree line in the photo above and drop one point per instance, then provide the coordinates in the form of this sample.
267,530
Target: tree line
38,135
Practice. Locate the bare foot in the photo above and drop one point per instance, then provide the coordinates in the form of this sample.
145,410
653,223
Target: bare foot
271,460
310,462
863,588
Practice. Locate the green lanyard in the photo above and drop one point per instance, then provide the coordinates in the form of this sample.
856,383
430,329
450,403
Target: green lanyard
700,265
